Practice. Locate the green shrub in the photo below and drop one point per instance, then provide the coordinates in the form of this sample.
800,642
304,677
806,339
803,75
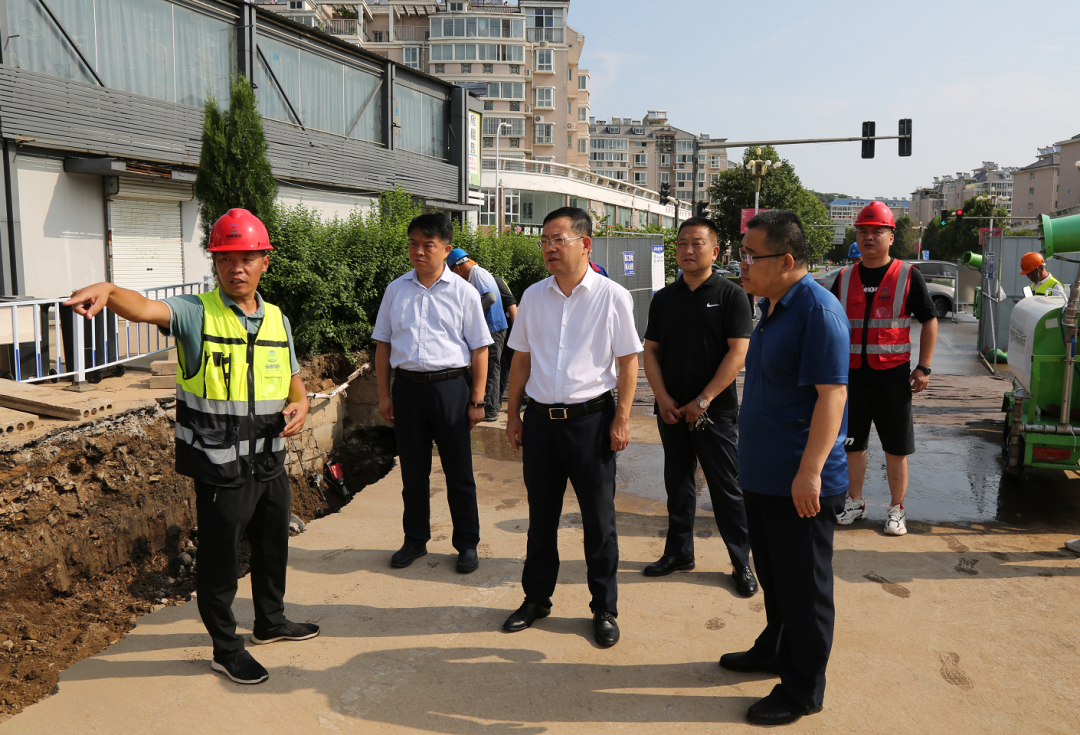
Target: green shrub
513,256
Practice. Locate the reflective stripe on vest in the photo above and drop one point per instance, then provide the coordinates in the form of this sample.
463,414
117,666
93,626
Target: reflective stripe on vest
888,340
228,413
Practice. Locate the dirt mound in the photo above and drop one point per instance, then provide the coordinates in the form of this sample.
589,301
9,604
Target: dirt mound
322,373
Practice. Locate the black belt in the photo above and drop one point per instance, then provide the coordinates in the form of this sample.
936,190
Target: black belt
558,411
434,377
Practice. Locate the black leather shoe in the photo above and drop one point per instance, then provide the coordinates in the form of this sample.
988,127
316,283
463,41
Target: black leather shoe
605,629
525,616
468,561
668,564
773,710
406,555
745,581
746,662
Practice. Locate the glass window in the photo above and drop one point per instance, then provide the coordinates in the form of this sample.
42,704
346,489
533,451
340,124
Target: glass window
448,28
408,118
459,51
544,60
34,43
545,97
321,101
412,57
362,88
436,28
543,132
459,27
582,82
206,57
518,28
487,207
470,27
435,124
582,145
284,61
482,27
583,113
135,46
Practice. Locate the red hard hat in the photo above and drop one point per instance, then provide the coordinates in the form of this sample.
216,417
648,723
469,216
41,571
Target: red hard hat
1030,262
239,229
876,214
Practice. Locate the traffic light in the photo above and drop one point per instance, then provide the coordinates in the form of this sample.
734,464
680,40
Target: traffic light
665,193
959,216
944,217
868,129
905,143
700,209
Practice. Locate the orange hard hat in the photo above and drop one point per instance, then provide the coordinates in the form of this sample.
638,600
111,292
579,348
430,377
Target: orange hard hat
876,214
238,229
1030,262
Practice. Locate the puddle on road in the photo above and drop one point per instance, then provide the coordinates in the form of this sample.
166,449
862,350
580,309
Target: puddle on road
955,477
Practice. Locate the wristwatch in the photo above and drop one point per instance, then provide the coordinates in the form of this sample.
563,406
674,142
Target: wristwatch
926,370
702,403
476,404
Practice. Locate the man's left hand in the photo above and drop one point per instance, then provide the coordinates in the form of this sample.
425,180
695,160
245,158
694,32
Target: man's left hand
919,380
620,434
476,415
297,413
805,493
692,411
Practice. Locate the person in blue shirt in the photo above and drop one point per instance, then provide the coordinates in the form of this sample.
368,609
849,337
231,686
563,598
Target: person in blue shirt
792,466
491,301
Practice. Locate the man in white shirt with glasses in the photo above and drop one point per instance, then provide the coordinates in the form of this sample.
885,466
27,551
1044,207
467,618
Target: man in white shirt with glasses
571,331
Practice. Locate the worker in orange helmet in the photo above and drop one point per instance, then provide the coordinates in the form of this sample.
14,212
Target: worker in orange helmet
1033,265
880,295
235,408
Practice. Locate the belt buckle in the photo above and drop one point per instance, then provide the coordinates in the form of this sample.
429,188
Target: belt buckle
551,413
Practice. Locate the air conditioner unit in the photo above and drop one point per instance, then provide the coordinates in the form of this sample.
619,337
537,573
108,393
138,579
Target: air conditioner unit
571,126
538,118
543,44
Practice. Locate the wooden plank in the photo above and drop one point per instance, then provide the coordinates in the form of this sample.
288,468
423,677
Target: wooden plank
52,402
13,421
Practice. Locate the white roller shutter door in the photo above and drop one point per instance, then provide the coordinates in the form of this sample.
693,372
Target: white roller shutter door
147,243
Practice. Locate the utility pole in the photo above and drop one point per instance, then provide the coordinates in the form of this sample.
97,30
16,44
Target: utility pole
694,170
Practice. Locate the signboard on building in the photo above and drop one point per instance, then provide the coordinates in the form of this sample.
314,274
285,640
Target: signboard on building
657,267
628,262
926,255
746,214
474,148
983,232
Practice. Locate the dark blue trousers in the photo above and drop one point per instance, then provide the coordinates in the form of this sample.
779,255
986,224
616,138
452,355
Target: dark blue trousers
578,450
435,412
793,559
716,447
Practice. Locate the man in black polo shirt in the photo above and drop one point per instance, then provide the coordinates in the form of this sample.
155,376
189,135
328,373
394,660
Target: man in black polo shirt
695,344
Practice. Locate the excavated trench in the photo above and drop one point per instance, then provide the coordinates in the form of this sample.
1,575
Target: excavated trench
96,528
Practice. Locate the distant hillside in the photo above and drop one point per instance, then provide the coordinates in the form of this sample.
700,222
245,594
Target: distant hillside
825,198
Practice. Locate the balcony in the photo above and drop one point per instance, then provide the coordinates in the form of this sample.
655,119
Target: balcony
415,34
551,35
345,27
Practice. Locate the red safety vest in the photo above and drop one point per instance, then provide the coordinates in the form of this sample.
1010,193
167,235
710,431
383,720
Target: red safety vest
888,340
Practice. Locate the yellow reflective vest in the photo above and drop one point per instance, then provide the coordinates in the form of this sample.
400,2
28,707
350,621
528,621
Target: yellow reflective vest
229,412
1045,287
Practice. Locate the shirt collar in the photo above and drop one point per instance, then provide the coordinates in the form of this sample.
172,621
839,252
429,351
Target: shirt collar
446,275
228,301
587,282
796,290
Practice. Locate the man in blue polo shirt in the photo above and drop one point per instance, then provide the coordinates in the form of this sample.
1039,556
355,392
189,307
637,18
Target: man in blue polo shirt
491,302
792,466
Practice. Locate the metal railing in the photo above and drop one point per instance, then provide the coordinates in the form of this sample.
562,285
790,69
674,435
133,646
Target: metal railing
80,346
342,26
551,35
411,33
548,168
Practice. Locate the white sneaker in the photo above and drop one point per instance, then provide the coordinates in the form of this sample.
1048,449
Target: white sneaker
1073,545
896,525
853,511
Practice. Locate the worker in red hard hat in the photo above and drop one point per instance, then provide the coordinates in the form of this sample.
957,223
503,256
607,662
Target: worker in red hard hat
235,409
1033,265
880,295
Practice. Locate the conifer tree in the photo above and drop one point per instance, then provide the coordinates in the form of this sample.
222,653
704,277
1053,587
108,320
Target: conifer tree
233,168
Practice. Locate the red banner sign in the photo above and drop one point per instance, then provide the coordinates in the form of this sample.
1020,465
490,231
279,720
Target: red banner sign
984,230
746,215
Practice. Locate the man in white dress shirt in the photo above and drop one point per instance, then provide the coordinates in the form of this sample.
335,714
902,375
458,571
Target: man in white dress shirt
570,332
430,326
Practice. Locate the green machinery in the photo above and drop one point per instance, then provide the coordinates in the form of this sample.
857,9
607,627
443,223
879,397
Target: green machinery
1042,421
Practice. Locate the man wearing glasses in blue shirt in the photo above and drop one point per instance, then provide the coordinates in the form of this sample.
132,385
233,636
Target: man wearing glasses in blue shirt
792,466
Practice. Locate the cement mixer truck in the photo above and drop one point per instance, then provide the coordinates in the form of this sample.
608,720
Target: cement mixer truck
1042,412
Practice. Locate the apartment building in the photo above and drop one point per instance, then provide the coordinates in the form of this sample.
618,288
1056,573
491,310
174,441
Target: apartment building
1068,194
925,204
1036,186
844,211
651,152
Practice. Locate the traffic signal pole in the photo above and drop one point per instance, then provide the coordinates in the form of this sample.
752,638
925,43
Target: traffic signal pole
747,143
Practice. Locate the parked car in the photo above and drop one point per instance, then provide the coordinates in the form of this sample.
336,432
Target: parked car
943,297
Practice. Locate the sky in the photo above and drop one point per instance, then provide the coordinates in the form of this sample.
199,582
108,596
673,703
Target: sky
987,81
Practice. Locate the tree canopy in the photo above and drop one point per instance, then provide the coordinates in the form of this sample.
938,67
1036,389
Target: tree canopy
954,239
780,189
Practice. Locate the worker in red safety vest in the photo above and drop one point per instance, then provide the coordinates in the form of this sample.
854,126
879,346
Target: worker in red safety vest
880,295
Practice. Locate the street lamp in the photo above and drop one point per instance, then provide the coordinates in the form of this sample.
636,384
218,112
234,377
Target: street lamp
498,182
758,169
994,200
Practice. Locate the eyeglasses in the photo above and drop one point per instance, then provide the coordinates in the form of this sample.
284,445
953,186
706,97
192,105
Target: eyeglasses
749,259
558,242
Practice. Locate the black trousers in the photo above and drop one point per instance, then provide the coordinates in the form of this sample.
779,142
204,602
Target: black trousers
224,513
435,412
793,558
505,361
493,394
578,450
715,446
